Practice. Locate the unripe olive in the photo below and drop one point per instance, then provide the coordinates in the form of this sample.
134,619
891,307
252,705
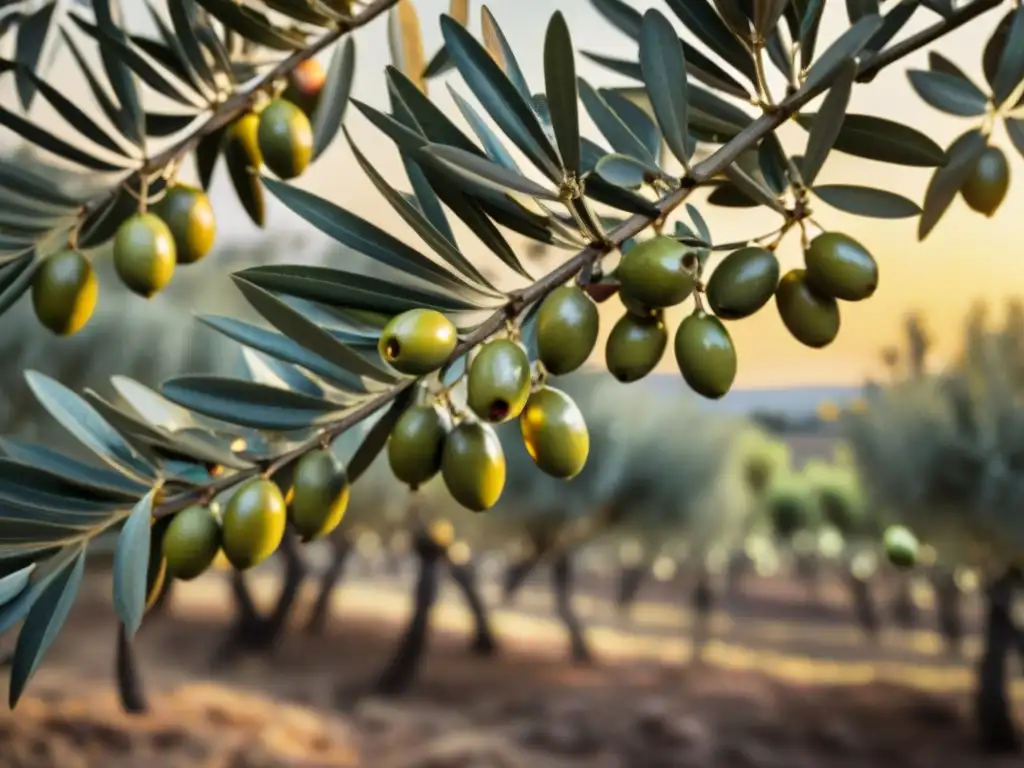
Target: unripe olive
900,546
986,187
567,328
285,139
810,318
555,433
64,292
635,346
499,381
657,272
839,266
319,494
418,341
743,283
254,523
188,214
473,465
191,542
416,444
144,254
705,355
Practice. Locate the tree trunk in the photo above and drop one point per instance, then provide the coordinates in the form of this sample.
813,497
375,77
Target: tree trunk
808,569
253,632
948,607
400,672
904,611
631,578
321,612
996,729
129,680
465,577
515,576
864,608
703,602
562,574
740,566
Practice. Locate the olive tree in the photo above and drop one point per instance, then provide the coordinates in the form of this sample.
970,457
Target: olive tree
940,458
350,346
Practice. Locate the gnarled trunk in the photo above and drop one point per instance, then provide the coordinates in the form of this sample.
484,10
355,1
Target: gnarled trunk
465,577
904,611
703,602
996,729
562,573
321,612
401,670
864,608
948,609
631,578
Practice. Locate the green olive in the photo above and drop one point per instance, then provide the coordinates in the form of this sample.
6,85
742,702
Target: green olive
567,328
473,465
254,523
635,346
900,546
145,254
416,444
191,542
285,138
743,283
657,272
839,266
64,292
986,187
188,214
810,318
705,355
555,433
499,381
319,494
418,341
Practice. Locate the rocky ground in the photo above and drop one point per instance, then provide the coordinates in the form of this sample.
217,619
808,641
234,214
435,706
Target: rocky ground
801,697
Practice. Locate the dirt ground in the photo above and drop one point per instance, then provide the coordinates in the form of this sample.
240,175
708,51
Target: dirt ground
759,700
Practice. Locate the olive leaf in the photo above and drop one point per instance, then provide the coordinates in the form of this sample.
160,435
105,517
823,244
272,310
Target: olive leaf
611,126
1010,72
16,278
828,122
45,140
242,163
621,15
330,111
405,41
131,563
84,423
120,76
183,21
303,331
809,23
286,373
1015,130
708,27
501,53
29,44
13,584
847,46
102,480
207,153
563,98
625,171
948,93
441,61
248,404
752,188
767,14
947,180
253,25
636,118
664,69
47,604
470,166
493,147
876,138
506,105
857,9
892,23
867,201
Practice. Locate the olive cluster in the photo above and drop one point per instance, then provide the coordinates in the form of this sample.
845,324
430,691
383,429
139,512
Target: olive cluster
254,519
179,227
501,385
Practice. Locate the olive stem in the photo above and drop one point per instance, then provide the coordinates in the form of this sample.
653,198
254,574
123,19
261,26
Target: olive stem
764,94
519,300
239,102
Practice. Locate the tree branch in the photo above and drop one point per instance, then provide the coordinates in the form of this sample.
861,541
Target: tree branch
519,300
240,102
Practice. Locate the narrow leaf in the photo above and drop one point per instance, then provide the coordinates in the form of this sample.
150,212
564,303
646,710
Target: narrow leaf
88,427
44,140
337,88
828,122
1015,130
563,98
500,51
664,68
847,46
13,584
809,23
131,563
183,19
248,404
702,20
947,180
243,170
948,93
867,201
481,171
622,139
28,50
625,171
750,187
876,138
49,610
121,78
253,25
406,42
1010,73
621,15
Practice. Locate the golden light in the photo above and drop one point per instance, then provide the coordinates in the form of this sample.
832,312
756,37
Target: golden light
966,579
630,552
664,568
443,532
459,553
368,544
858,405
828,411
238,445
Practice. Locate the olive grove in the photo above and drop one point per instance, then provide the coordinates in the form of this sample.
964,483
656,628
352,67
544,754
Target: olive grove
422,368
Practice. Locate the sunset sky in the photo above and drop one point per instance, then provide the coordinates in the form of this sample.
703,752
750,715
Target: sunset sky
967,257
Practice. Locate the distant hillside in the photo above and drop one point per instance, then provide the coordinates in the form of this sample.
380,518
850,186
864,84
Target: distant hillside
795,402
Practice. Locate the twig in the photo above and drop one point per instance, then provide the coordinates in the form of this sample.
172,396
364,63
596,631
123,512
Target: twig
519,300
241,101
